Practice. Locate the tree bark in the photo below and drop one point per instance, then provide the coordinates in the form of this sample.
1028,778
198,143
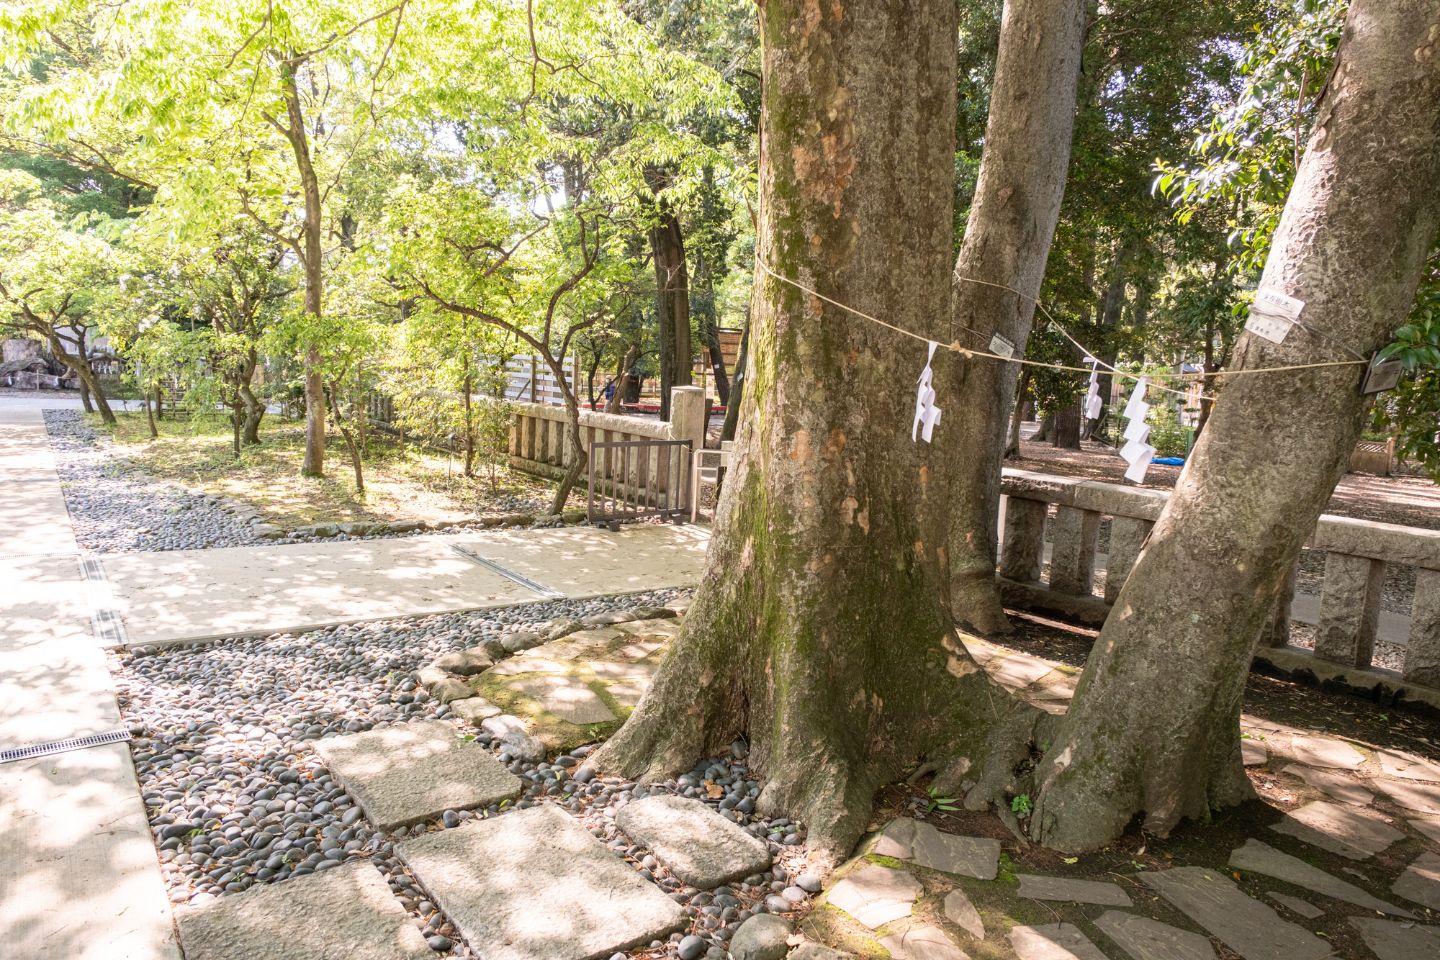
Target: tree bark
672,303
311,253
1361,217
1007,240
1012,440
1065,431
820,630
737,387
622,378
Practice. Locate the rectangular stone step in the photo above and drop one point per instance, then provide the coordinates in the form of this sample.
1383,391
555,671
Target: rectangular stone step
347,912
694,842
411,772
535,885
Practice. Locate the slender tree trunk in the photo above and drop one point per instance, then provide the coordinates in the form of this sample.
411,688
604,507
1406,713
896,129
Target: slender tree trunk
1361,217
149,413
672,303
467,387
311,251
351,446
85,403
737,387
710,330
1047,429
254,414
622,378
1007,240
89,382
1012,442
578,457
820,630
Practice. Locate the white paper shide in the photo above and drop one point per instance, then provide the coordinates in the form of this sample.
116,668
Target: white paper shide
1137,450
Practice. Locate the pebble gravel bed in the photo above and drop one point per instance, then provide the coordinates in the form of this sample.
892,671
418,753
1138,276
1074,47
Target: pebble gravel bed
237,796
116,507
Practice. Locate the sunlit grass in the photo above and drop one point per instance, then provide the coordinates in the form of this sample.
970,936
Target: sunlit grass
402,482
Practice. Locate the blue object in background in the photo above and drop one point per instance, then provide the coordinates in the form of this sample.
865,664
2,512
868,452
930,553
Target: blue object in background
1169,461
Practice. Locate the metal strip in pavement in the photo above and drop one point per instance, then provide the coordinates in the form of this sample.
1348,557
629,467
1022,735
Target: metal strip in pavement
63,746
108,624
524,581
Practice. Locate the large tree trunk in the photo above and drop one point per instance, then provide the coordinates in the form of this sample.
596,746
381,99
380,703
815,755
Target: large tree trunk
1007,240
1065,431
1361,217
820,630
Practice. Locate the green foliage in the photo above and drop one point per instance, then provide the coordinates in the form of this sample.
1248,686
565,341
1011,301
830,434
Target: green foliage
1020,805
938,802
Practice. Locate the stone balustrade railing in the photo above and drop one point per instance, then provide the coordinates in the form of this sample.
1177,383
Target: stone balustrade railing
1357,553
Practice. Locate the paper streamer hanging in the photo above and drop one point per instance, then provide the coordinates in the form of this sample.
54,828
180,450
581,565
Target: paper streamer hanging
926,413
1093,406
1137,450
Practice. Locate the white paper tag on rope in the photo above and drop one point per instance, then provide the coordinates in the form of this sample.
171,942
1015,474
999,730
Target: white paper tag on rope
1132,450
1001,347
1138,469
1273,314
1093,407
926,413
1137,430
1137,407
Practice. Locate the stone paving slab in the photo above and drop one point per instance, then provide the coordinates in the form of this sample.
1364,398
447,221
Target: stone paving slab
1420,882
78,874
694,842
1430,828
535,885
921,843
1146,939
347,912
960,911
1301,908
875,895
1072,891
415,771
1245,925
1339,829
187,595
1321,752
1424,797
1053,941
1389,940
1333,785
923,943
1258,857
1394,763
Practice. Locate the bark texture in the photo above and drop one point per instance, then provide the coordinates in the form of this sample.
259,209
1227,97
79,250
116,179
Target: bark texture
1007,240
672,303
1361,217
820,630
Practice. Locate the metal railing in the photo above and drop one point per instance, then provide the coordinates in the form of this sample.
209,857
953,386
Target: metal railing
633,479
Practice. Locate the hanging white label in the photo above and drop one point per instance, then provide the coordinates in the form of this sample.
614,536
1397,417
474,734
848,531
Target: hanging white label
1137,407
1137,430
1138,469
926,413
1133,449
1273,314
1001,347
1093,407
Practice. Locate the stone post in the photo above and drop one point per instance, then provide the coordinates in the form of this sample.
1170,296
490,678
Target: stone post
689,418
1023,548
1127,536
1422,653
1349,609
1072,550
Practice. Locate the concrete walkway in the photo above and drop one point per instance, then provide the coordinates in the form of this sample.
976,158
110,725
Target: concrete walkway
79,878
191,595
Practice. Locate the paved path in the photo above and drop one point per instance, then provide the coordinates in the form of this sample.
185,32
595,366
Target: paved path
79,878
188,595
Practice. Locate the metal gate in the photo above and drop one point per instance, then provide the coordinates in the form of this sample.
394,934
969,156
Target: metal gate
631,479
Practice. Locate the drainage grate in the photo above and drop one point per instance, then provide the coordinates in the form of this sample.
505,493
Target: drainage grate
491,565
63,746
105,620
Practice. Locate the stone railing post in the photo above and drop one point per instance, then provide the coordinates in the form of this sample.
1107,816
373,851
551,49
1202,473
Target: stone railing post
1072,550
1023,549
1127,536
689,414
1349,609
1422,653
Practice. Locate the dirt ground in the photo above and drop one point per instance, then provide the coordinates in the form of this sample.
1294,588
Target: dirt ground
1412,501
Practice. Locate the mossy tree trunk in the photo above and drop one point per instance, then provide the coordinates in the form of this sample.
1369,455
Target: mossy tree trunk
820,630
1007,241
1352,242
